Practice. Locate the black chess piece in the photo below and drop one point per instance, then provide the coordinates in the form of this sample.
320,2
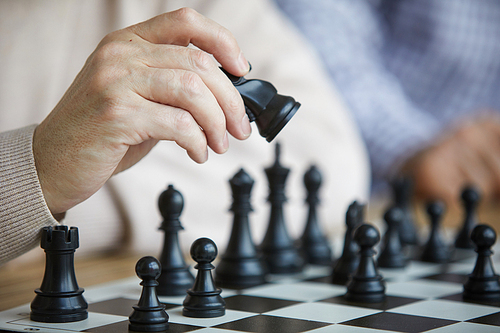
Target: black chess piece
175,276
149,314
203,300
470,200
403,191
241,266
392,255
278,249
483,284
435,250
348,262
313,243
59,299
366,285
270,110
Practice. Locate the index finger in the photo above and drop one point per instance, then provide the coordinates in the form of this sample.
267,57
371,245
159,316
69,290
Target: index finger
185,26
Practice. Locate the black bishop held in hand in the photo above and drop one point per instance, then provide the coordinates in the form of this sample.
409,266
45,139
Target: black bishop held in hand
240,266
175,277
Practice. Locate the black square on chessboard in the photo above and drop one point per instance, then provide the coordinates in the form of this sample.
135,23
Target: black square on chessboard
271,324
448,277
390,302
255,304
399,322
119,306
460,298
492,319
122,326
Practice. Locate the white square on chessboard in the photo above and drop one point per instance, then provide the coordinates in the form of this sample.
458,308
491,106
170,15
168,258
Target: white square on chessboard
302,291
322,312
94,320
215,330
175,316
423,288
466,328
309,272
445,309
336,328
414,269
126,288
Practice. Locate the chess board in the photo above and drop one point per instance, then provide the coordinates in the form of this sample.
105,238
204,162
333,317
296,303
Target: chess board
423,297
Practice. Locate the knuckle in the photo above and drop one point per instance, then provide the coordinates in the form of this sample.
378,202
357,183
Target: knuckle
201,61
184,122
186,15
111,50
191,84
227,41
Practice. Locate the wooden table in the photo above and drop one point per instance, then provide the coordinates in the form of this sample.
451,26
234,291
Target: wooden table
18,282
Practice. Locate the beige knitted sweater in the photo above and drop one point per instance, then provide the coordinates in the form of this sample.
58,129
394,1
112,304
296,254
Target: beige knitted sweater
22,208
43,44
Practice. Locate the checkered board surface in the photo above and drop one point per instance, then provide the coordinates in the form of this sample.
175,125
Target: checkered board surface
422,297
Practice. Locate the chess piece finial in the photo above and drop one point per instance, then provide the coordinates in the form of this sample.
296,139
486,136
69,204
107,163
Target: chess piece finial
392,255
470,199
59,299
149,314
203,299
241,265
483,283
366,285
175,278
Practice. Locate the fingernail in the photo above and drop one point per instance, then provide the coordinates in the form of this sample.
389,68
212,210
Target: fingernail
244,66
225,141
245,126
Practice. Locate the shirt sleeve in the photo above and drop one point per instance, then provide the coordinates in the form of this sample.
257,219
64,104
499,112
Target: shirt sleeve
23,211
349,35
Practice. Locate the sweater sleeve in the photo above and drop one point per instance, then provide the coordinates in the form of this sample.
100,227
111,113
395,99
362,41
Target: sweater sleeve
23,211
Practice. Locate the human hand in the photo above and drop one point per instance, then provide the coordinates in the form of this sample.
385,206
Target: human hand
141,84
470,155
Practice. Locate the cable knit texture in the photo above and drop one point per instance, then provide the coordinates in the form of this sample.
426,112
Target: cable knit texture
21,198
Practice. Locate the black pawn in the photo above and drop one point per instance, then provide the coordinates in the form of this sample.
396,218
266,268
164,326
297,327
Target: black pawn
392,255
403,191
470,199
240,266
348,262
203,299
59,299
435,250
175,277
149,314
313,243
278,249
366,285
483,284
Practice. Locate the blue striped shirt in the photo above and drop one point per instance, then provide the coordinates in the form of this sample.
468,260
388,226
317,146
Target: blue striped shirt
409,70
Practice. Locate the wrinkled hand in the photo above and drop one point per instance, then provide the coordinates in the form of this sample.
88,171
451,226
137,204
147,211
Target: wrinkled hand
141,84
469,155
